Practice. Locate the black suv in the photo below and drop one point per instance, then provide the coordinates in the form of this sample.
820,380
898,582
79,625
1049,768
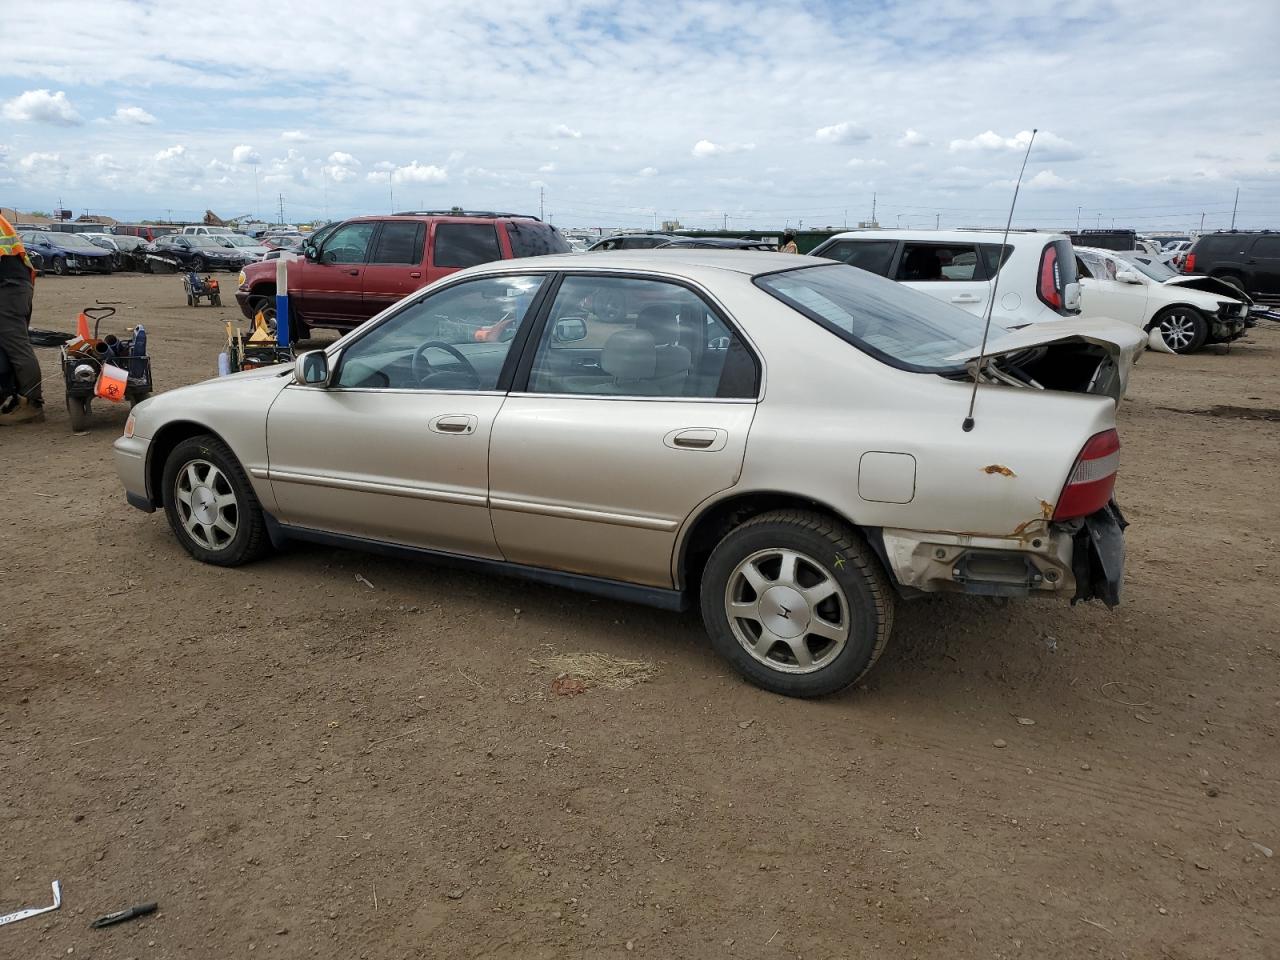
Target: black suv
1248,260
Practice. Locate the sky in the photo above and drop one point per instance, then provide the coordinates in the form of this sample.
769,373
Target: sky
604,114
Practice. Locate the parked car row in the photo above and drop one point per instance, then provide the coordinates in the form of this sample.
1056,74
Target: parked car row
195,248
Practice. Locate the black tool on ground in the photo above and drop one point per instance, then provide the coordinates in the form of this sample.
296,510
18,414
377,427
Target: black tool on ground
120,916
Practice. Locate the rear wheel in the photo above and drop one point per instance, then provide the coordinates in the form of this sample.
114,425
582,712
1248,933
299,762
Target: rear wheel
78,412
1232,279
796,602
210,505
60,266
1184,329
197,263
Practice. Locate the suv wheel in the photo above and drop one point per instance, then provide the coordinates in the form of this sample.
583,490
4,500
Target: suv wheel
210,505
1184,329
1235,281
796,602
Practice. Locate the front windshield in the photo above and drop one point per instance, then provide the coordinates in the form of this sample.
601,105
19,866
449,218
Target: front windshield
238,241
1154,269
903,327
73,241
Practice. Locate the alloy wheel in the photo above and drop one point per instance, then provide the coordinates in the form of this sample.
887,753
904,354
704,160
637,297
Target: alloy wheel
1178,330
787,611
206,504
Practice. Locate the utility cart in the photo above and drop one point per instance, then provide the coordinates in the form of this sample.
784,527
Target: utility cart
108,368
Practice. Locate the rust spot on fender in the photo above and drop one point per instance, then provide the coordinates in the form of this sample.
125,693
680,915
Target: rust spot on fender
1000,468
1046,508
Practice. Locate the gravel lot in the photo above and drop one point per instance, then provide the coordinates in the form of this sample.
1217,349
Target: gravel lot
295,763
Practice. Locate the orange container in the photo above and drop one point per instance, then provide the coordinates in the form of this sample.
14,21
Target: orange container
112,383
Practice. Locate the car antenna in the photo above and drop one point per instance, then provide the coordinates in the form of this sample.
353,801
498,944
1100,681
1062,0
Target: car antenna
991,301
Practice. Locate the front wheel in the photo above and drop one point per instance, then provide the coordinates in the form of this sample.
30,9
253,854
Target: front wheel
60,266
1184,329
78,412
197,263
796,603
210,505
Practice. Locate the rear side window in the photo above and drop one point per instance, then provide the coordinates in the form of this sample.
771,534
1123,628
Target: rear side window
939,261
1057,270
466,244
873,256
1268,247
987,251
530,238
399,242
1216,245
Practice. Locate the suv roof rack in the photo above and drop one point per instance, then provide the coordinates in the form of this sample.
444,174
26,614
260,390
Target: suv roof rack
487,214
1243,231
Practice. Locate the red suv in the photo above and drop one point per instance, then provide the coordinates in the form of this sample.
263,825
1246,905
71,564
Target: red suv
352,270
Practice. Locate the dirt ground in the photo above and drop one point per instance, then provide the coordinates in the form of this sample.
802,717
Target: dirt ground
296,763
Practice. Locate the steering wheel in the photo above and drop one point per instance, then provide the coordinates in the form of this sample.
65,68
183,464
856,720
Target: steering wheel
422,368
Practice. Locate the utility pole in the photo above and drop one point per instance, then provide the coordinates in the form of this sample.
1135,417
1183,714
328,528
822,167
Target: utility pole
937,221
1079,210
726,223
899,221
1202,222
846,218
873,208
391,191
541,193
280,196
1234,205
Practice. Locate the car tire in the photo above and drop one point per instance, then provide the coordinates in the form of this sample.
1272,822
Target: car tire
1183,328
60,266
210,505
197,264
797,603
78,412
1234,280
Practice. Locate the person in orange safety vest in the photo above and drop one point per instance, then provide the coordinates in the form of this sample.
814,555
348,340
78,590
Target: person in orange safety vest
23,401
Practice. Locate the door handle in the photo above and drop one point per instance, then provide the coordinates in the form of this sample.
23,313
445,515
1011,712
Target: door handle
458,424
964,298
1251,260
416,274
354,273
697,438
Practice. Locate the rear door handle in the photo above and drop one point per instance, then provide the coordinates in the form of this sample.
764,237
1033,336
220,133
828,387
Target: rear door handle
458,424
965,298
697,438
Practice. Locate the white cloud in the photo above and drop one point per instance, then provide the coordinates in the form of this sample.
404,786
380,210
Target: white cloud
912,139
34,162
846,132
648,172
41,106
705,148
245,154
566,132
547,168
1048,146
341,167
133,115
859,162
1044,180
412,172
294,136
176,152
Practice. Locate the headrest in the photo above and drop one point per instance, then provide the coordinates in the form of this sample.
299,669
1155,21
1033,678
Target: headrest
660,320
630,355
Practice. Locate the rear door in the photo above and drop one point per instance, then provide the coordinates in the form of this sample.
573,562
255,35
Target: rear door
1264,262
618,427
952,272
458,244
395,266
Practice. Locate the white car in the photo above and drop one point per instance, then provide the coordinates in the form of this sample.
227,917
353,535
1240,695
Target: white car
783,441
1185,312
1037,279
246,245
200,230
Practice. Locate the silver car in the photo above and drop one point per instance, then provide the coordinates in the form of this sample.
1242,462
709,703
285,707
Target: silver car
785,441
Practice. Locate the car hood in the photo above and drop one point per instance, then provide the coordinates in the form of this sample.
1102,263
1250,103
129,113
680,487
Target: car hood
1219,288
1076,355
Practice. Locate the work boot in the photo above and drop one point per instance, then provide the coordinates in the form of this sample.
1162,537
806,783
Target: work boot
17,409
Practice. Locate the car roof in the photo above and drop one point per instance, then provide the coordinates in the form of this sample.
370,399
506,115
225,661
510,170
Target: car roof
671,261
948,236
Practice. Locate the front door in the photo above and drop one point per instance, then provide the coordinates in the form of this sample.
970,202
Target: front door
396,264
330,288
396,448
638,402
1102,295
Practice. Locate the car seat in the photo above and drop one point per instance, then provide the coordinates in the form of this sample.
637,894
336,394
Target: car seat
631,366
921,264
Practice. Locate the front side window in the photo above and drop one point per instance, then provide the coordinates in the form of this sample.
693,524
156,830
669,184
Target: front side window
466,244
399,242
624,336
454,339
1268,247
898,325
939,261
873,256
348,244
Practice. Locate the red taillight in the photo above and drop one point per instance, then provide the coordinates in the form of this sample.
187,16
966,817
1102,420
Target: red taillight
1048,288
1189,264
1092,479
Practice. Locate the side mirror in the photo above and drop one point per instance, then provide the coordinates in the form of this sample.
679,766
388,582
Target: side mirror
312,369
569,330
1128,276
310,252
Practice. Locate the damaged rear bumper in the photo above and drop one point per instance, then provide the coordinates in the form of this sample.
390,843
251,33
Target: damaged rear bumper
1081,559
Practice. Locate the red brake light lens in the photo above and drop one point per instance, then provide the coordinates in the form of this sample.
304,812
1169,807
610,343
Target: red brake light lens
1093,478
1049,288
1189,265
